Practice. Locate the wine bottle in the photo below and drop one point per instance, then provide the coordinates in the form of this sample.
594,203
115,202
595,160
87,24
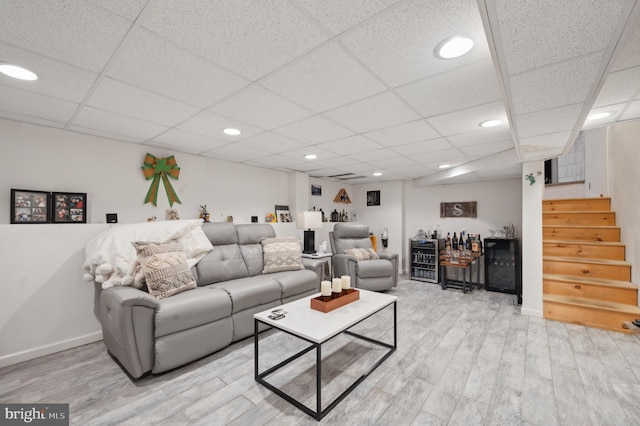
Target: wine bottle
447,244
454,242
468,244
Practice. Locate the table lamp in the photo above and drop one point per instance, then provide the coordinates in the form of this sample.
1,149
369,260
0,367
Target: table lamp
309,220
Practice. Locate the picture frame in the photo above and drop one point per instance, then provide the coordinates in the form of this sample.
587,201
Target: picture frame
68,207
283,214
30,206
316,190
373,198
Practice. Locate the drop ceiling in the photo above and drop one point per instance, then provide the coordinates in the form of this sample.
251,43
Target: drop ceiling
354,82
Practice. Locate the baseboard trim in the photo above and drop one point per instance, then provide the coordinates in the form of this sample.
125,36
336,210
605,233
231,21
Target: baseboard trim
531,312
29,354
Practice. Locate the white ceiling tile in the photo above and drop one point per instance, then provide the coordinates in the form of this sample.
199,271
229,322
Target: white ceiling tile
398,45
413,131
298,154
350,145
314,130
632,111
272,143
31,119
211,125
433,159
325,78
156,65
359,168
128,9
55,79
251,39
339,15
396,162
104,134
629,54
465,178
116,124
471,85
376,112
378,154
303,167
422,147
552,86
619,87
235,152
120,98
336,161
260,107
468,120
69,30
548,121
187,142
22,102
480,136
274,160
543,146
615,112
486,149
538,33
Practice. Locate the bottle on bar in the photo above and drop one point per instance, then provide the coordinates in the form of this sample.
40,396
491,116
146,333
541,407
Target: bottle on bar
447,244
454,242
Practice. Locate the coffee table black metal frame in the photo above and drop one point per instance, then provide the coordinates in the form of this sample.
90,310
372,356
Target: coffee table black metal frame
319,413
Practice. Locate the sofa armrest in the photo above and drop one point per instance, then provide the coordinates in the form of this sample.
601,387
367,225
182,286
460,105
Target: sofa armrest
344,264
315,265
394,259
127,317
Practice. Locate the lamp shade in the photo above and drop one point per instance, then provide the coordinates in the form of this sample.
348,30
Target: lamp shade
309,220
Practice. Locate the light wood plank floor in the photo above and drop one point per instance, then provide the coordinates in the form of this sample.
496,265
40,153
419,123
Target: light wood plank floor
462,359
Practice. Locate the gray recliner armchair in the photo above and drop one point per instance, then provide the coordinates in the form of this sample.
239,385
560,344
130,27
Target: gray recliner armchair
374,274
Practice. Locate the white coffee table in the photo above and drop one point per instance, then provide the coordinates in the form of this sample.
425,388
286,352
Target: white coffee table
318,328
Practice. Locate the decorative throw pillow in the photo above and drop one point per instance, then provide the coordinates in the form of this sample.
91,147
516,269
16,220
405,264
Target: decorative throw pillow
165,268
281,254
362,253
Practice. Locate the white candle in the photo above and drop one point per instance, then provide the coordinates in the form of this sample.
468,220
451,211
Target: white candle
337,285
346,282
325,288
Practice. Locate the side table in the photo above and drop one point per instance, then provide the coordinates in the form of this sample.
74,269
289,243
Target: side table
325,259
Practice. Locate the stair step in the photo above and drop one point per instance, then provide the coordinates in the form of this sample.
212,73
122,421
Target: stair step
581,233
596,268
604,218
577,204
584,249
591,313
591,288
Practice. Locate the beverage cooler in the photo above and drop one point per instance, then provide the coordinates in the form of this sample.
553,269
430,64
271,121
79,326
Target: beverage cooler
425,259
502,271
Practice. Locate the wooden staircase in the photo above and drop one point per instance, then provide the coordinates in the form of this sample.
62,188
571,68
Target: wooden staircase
586,280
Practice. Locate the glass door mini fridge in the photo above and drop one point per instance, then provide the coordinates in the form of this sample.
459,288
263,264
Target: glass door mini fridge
502,271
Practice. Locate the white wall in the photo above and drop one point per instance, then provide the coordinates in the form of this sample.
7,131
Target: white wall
46,306
624,188
531,242
595,163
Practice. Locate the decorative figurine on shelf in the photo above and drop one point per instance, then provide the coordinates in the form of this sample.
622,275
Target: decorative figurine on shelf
204,214
172,214
151,219
230,219
270,218
385,239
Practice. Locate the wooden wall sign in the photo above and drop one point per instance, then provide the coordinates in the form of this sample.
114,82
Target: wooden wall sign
459,209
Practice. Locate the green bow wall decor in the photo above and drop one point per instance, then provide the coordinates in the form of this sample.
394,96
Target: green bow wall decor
160,169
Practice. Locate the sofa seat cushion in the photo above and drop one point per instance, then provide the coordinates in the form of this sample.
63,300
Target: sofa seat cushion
248,292
375,268
297,282
191,309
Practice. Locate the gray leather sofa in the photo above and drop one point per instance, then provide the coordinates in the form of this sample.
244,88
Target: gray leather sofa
147,334
374,274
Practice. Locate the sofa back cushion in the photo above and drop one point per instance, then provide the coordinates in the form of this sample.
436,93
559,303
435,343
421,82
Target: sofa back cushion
348,236
250,238
225,261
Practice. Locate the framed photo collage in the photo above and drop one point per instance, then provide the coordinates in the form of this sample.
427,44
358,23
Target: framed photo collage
30,206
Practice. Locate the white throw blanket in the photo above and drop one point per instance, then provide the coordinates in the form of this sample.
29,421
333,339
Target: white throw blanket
110,258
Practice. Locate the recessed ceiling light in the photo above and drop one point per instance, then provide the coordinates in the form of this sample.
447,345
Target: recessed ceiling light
377,173
311,156
231,131
490,123
444,166
453,47
17,72
599,115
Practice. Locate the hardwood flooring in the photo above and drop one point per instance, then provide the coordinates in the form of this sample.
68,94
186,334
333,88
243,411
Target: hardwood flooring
462,359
